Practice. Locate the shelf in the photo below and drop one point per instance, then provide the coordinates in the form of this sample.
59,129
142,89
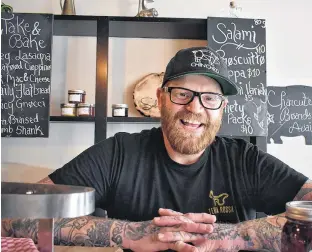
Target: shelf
72,25
75,17
109,119
162,28
132,120
71,119
131,27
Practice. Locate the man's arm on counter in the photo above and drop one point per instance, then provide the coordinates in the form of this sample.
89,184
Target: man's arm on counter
104,232
81,231
86,230
263,233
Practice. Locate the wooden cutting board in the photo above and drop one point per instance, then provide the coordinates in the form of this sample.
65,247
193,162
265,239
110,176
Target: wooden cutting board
144,94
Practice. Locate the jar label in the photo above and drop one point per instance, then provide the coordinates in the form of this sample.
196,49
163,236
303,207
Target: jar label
68,112
83,111
119,112
74,98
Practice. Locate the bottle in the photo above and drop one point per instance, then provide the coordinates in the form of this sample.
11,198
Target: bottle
297,231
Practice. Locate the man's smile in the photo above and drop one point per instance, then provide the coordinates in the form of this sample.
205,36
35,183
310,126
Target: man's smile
191,124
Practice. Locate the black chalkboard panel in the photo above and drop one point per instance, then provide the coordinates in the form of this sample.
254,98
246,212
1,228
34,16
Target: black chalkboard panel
242,44
289,113
26,41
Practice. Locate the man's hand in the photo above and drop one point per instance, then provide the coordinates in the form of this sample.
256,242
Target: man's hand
171,226
197,221
200,241
176,227
259,234
195,217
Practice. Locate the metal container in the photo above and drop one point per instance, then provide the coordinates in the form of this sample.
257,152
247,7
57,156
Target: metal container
45,202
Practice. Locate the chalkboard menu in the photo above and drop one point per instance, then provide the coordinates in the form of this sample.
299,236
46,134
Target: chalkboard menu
26,41
289,113
242,44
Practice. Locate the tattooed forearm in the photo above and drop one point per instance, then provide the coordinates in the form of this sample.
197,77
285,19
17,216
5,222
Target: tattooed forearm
20,228
264,233
84,231
224,231
231,249
118,232
136,231
305,192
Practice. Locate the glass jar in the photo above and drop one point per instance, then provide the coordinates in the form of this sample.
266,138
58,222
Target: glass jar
76,96
83,109
68,109
297,232
120,110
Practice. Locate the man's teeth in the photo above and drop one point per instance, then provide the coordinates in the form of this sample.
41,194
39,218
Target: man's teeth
191,122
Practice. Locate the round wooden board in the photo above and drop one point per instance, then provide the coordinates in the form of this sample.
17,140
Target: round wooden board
144,94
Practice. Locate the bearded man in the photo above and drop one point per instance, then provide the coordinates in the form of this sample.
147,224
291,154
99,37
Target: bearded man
180,186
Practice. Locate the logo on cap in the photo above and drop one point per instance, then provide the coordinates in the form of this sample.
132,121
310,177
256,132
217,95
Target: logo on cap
206,59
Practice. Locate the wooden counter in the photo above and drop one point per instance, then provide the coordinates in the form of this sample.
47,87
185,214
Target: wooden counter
84,249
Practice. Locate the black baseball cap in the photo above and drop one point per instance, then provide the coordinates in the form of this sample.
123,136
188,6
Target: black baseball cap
202,61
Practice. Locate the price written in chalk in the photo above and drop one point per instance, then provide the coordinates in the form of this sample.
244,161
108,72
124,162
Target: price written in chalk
235,115
241,43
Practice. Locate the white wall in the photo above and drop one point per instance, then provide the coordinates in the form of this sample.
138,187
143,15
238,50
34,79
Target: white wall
288,63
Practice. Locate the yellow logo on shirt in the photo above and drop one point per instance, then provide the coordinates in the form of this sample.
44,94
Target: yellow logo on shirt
219,204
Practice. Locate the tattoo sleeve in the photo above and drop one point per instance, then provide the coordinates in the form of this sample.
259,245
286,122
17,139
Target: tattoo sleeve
264,233
305,193
83,231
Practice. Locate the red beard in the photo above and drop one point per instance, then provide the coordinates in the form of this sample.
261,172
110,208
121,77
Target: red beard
187,142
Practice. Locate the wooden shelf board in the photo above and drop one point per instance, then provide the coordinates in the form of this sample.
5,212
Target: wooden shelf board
71,119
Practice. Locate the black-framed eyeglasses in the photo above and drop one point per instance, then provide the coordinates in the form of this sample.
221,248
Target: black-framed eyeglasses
184,96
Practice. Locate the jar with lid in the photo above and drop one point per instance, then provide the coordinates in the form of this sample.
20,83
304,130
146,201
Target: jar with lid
297,231
76,96
84,109
120,110
68,109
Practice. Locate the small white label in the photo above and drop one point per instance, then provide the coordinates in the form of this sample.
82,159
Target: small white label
68,112
74,97
119,112
83,111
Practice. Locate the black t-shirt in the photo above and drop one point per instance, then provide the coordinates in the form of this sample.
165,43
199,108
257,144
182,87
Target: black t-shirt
133,177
